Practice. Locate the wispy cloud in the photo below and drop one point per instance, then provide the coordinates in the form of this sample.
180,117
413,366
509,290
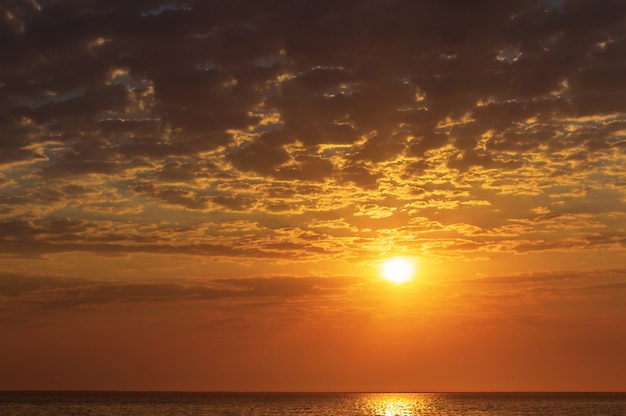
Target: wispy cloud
51,291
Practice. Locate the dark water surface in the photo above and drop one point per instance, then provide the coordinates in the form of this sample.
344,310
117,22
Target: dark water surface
337,404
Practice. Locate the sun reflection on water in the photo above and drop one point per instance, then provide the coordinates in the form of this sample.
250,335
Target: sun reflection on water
397,404
395,409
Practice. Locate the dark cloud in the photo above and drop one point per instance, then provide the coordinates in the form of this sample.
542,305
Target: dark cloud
259,157
173,196
306,168
176,171
360,175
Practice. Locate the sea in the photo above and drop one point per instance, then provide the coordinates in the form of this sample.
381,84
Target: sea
309,404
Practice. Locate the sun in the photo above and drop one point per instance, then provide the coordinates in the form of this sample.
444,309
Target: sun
397,270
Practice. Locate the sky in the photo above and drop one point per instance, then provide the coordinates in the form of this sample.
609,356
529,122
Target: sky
200,195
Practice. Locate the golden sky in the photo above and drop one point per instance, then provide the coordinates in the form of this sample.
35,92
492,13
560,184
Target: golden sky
198,195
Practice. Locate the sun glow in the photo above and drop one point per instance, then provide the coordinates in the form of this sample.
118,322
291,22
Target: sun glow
397,270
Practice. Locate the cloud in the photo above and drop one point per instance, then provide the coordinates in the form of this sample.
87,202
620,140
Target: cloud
60,292
269,112
548,277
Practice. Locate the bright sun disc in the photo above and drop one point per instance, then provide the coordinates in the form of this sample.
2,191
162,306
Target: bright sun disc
397,270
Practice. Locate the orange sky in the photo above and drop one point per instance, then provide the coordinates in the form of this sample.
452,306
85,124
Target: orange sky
198,195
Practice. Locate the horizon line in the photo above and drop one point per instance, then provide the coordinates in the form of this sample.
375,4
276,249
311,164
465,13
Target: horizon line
317,391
